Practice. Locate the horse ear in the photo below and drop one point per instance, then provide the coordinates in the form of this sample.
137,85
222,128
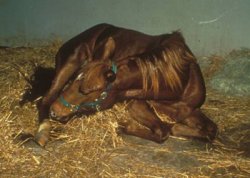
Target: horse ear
105,50
108,50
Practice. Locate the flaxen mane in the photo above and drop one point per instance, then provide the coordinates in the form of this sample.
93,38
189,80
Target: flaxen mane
167,62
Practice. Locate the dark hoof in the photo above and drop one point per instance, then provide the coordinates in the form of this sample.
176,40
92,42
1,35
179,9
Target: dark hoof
27,140
120,130
22,138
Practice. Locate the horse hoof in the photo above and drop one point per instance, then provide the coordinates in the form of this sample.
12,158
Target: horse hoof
27,140
41,138
43,133
22,138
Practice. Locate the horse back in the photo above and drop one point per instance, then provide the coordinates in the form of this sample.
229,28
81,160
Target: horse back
128,42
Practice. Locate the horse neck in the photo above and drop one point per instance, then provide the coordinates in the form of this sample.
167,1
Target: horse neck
128,75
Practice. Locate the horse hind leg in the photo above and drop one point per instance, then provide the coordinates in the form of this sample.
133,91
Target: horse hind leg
144,123
196,125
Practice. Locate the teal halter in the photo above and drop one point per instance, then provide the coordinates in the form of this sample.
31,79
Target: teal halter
96,105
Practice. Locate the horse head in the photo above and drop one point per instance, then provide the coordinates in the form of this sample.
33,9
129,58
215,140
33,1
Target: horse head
89,91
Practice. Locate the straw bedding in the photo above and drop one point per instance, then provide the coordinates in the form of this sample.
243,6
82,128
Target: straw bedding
91,147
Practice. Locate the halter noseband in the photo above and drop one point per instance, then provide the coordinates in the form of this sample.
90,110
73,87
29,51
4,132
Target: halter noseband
96,104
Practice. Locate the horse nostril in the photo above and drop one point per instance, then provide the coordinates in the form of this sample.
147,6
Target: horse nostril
52,114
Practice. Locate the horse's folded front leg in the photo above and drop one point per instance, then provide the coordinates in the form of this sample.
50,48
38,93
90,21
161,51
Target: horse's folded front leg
134,128
145,123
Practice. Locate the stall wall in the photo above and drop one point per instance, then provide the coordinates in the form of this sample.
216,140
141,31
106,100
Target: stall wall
209,26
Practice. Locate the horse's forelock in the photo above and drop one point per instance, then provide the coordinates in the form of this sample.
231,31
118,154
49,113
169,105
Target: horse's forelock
93,68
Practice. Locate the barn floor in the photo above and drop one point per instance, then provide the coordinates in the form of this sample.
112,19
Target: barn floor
90,147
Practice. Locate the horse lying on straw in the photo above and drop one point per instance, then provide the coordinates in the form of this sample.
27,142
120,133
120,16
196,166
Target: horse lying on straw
157,75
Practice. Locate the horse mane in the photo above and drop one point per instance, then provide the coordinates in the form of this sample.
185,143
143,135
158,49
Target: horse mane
167,62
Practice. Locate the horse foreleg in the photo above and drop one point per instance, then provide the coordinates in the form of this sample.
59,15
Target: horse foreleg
135,129
63,74
42,134
145,123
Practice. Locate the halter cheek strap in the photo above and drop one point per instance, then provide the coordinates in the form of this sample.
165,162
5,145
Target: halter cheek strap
72,107
96,104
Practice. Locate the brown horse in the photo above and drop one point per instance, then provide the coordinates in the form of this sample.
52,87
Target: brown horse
159,75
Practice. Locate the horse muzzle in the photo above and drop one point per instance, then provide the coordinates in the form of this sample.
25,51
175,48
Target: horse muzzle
60,113
62,119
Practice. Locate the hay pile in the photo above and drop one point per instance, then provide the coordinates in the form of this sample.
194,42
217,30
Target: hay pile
90,147
233,78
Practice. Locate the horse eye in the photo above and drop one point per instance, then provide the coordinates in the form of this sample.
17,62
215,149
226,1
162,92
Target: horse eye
110,76
81,91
